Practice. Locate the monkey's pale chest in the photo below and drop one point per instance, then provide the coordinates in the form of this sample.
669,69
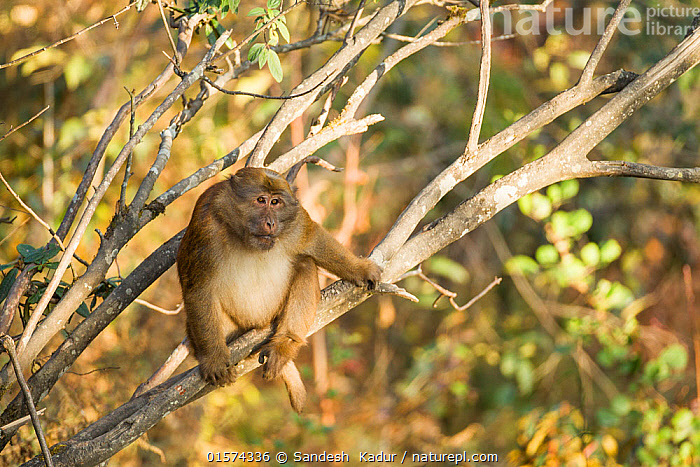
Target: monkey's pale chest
252,286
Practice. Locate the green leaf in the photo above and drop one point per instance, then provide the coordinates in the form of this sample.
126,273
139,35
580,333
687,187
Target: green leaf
569,188
7,282
459,388
619,296
621,405
274,38
25,251
522,265
218,27
607,418
273,62
509,364
675,356
37,255
83,310
254,51
541,206
581,221
683,423
571,224
525,376
141,5
283,30
547,255
590,254
610,251
572,269
554,194
77,70
273,3
209,32
525,204
263,56
448,268
257,11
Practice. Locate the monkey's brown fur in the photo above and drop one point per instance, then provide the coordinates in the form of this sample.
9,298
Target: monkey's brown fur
247,260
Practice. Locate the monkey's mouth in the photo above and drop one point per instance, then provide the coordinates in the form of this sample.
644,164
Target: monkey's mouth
265,241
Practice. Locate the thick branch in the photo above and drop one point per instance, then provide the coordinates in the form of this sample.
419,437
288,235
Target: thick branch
466,165
131,287
325,136
567,160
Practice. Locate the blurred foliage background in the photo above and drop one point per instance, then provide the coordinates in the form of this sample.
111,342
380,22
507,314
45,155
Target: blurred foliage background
583,355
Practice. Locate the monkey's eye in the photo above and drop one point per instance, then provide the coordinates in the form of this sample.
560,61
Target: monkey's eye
275,202
261,199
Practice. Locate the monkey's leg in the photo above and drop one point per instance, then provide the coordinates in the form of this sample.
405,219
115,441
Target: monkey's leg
292,325
205,330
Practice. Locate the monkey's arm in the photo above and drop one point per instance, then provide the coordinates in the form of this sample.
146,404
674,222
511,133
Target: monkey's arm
205,328
205,331
329,254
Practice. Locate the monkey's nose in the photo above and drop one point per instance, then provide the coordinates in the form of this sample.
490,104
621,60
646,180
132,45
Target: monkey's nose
269,226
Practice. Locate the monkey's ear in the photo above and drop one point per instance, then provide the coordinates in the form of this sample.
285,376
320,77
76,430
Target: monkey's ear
294,171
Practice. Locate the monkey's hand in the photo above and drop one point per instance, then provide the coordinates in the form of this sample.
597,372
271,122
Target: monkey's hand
216,369
365,273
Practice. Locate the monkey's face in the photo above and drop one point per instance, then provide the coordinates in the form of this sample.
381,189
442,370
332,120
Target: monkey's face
268,206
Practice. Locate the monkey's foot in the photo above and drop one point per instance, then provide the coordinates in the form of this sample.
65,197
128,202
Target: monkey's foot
274,362
217,371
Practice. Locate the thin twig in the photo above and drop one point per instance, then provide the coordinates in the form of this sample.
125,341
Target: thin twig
9,346
363,90
261,96
167,27
12,426
329,133
484,78
638,170
67,39
129,159
589,69
31,212
402,38
486,290
159,309
393,289
294,171
177,356
13,129
317,125
356,16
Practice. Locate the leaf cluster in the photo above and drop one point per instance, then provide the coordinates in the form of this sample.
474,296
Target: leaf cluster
262,53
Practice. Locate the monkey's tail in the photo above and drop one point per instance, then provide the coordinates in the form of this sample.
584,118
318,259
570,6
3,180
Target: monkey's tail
295,386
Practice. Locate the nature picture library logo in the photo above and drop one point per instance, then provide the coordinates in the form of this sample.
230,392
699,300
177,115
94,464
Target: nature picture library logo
659,20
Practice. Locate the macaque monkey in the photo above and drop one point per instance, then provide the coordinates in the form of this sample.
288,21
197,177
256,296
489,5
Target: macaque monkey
248,260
